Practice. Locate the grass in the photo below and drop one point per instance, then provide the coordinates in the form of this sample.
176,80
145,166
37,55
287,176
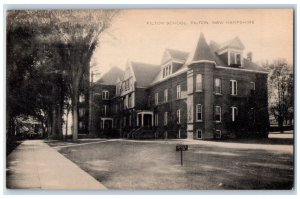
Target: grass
126,164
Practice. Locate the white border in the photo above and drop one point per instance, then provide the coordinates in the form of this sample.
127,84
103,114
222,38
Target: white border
128,4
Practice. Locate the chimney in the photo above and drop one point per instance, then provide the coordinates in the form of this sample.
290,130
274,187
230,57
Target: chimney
249,56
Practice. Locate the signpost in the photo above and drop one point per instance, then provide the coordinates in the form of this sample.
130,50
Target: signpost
181,148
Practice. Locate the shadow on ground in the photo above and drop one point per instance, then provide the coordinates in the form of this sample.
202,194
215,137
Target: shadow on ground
122,164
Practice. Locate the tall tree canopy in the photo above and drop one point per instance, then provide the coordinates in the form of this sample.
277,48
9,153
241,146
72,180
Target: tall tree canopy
281,91
50,50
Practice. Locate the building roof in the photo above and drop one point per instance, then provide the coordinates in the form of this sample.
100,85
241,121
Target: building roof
177,54
232,43
253,66
209,52
202,51
144,73
111,76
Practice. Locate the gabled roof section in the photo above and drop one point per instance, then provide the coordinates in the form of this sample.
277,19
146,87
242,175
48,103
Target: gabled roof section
177,54
144,73
214,46
235,43
111,77
202,51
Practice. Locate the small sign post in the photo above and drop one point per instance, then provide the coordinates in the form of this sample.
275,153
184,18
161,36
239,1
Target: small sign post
181,148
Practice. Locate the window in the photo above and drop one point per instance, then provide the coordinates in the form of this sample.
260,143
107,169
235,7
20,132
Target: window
166,119
235,59
199,133
252,86
218,134
105,110
118,90
234,113
126,102
178,91
199,112
156,98
126,84
156,119
167,71
129,120
218,114
232,58
178,116
218,86
81,97
233,85
129,101
81,112
81,125
199,82
165,95
124,121
117,108
105,95
238,59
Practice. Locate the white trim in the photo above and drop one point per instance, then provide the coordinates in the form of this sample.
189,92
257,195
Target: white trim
246,70
178,91
165,118
178,116
166,95
105,108
233,118
179,61
156,98
201,61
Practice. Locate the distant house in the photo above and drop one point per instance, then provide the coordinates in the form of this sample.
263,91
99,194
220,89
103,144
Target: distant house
211,93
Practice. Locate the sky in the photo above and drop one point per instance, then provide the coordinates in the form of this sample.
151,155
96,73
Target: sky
143,35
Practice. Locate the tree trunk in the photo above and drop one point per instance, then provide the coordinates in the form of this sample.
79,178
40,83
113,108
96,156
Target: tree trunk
75,120
280,123
59,123
75,112
53,126
49,126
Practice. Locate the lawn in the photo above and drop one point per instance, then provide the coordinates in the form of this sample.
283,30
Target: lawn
128,164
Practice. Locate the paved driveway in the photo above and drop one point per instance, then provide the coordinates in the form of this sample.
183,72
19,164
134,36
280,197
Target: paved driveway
243,164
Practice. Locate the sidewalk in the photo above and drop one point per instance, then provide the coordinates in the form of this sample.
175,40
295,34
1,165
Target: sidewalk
35,165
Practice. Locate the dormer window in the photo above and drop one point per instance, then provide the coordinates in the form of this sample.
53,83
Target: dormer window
235,59
167,70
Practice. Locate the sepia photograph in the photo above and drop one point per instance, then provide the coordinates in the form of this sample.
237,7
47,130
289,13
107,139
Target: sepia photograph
150,99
